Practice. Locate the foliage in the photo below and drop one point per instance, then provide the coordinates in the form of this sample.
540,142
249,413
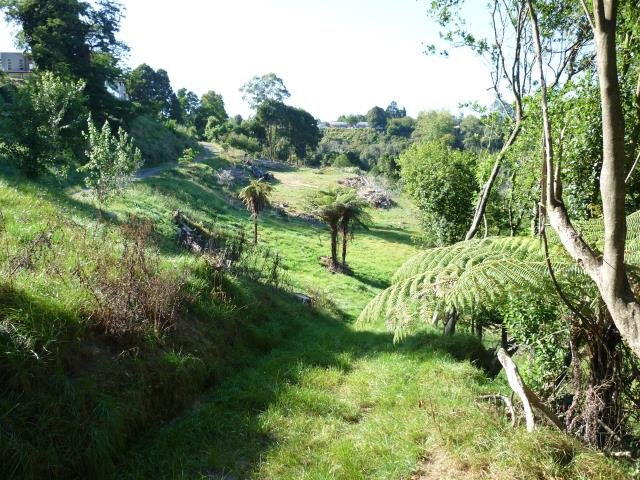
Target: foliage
255,196
436,126
189,103
268,87
152,91
75,39
401,126
441,182
363,147
393,111
46,116
160,142
189,155
287,130
210,113
113,161
377,118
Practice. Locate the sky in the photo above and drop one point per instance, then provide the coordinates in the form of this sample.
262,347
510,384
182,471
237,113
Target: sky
335,56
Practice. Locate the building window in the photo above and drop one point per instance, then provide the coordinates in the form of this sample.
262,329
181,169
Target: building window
9,65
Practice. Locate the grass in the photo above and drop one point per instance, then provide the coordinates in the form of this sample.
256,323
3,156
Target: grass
252,384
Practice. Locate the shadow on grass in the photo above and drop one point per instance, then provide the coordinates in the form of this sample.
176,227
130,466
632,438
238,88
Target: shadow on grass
394,235
372,282
224,435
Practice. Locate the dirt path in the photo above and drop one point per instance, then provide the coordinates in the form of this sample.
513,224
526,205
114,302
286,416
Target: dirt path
209,150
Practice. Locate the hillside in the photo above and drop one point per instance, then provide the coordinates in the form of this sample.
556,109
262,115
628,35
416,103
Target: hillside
250,383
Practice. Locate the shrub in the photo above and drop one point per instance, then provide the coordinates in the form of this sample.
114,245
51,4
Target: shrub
243,142
43,131
113,161
188,156
132,295
342,161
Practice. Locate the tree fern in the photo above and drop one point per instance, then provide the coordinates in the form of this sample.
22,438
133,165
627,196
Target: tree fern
482,272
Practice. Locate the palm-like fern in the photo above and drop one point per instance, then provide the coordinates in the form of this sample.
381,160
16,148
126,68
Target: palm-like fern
256,197
480,273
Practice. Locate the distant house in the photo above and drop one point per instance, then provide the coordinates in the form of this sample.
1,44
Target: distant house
15,64
362,125
338,124
118,90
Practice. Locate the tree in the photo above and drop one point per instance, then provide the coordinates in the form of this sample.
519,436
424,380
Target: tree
436,126
45,123
377,118
393,111
113,162
260,89
211,107
564,41
354,216
287,130
189,104
351,119
74,39
607,270
256,198
441,181
401,127
152,90
509,276
329,206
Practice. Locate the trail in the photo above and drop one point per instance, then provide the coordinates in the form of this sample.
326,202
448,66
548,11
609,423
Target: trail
210,150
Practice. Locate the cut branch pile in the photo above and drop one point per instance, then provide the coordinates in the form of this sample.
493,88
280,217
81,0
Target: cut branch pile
369,191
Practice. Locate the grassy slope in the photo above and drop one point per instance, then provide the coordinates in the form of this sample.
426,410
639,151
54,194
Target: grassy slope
299,393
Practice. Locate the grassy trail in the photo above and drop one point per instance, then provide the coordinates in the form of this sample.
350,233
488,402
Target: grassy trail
341,401
294,392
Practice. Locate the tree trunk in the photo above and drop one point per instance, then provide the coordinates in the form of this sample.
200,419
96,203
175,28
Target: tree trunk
608,272
334,246
452,320
345,238
255,229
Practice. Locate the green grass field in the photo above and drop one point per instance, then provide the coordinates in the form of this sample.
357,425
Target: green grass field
251,384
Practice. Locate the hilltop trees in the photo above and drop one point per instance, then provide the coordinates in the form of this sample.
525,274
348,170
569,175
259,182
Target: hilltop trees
74,39
377,118
152,91
211,112
263,88
256,198
287,130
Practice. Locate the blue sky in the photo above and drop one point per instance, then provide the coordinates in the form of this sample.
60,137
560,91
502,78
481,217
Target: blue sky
335,56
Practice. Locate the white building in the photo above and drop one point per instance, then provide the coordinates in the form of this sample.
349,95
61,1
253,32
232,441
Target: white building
15,64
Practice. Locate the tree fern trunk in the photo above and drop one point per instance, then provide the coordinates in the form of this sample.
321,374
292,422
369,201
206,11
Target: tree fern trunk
334,246
345,232
255,229
452,320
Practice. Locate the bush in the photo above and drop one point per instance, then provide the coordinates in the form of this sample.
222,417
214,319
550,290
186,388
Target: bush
188,156
43,128
160,142
113,161
132,295
443,185
342,161
243,142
